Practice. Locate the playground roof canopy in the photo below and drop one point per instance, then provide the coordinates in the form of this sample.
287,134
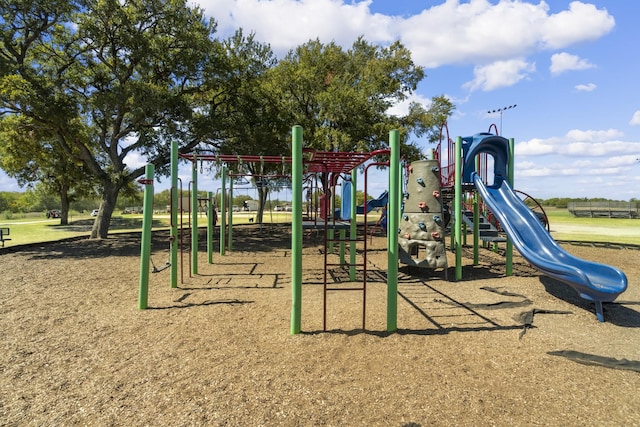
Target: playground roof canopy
313,161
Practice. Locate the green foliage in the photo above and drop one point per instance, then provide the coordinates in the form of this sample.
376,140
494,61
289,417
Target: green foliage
342,98
103,79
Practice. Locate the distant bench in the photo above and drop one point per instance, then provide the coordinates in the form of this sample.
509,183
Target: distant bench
4,232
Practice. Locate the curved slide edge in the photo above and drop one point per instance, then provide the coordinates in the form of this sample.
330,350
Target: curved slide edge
380,202
593,281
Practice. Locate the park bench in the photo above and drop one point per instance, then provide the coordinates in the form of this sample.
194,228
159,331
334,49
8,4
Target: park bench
4,232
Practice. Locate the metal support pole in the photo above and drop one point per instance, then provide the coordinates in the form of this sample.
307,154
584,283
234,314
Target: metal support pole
173,233
223,212
353,229
458,207
510,173
476,229
145,245
194,216
230,237
210,226
392,233
296,229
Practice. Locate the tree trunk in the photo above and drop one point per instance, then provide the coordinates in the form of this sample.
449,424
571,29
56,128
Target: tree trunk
101,224
64,204
262,201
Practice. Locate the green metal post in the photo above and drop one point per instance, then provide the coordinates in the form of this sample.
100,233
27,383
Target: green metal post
210,227
331,215
223,212
510,173
343,234
194,215
145,245
476,229
464,234
457,207
230,237
173,234
330,243
296,229
353,229
392,227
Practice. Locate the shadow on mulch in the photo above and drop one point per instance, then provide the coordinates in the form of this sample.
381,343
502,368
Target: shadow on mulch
614,312
251,238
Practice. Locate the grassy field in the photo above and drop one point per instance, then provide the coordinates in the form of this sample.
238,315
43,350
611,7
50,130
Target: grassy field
564,226
37,228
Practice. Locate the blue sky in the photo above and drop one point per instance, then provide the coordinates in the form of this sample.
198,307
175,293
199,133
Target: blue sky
570,67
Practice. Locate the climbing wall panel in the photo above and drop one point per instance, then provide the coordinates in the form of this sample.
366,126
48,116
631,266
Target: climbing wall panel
421,228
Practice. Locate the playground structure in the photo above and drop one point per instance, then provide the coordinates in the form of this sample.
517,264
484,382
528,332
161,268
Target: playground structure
593,281
304,163
422,225
465,175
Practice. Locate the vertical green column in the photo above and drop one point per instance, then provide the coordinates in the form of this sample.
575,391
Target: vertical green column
230,237
353,229
510,173
223,212
342,239
476,220
173,233
476,229
296,229
392,233
210,227
331,215
145,245
194,216
457,207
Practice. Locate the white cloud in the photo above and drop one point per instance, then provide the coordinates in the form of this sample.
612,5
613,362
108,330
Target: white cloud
589,87
499,74
285,24
635,120
594,135
402,108
9,184
134,160
453,32
534,147
540,171
579,143
581,22
617,161
561,62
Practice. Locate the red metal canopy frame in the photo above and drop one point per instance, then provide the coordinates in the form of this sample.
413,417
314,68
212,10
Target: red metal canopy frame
314,161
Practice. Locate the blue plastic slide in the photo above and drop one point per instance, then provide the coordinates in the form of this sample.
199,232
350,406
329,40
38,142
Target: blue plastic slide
345,204
380,202
593,281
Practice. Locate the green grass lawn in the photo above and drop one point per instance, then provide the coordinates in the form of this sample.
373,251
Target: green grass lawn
39,229
34,229
564,226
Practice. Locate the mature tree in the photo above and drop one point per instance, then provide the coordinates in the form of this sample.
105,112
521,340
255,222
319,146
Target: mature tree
342,98
31,155
107,79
